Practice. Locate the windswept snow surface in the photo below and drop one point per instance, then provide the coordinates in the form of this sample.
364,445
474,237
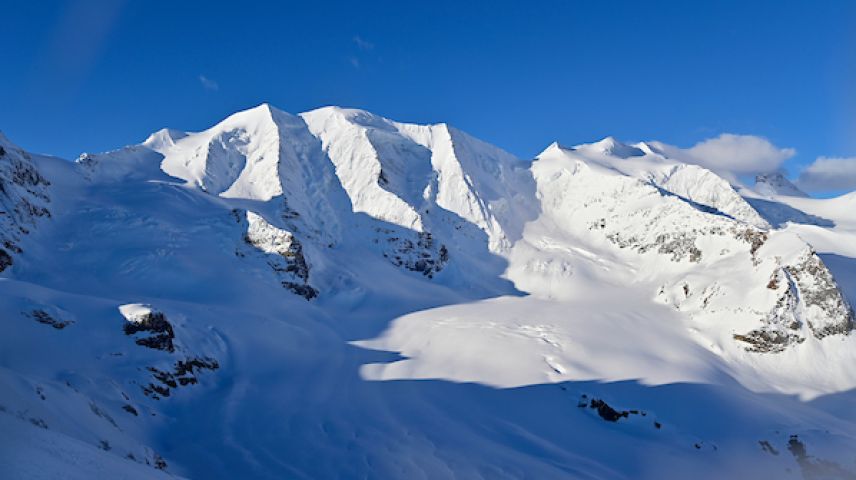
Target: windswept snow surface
338,295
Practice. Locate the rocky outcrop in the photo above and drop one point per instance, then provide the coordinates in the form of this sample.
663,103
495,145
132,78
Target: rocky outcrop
827,311
46,318
281,251
808,297
414,251
23,199
183,372
780,328
610,414
681,243
150,328
5,260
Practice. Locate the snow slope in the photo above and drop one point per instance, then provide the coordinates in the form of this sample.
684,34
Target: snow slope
338,295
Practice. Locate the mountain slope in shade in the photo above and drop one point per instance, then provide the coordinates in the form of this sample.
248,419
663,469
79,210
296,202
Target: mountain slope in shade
338,295
24,199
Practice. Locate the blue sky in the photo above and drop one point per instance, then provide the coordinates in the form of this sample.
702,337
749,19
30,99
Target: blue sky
95,75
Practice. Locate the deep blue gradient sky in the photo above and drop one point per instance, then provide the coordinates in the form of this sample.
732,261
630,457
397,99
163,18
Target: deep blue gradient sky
95,75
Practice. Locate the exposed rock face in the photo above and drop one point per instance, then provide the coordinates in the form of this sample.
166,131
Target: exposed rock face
183,373
23,199
415,252
679,246
780,328
609,413
826,310
809,297
161,335
5,260
154,323
46,318
283,253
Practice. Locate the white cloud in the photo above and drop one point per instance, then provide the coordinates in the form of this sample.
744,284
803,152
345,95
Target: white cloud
829,174
208,84
733,155
362,43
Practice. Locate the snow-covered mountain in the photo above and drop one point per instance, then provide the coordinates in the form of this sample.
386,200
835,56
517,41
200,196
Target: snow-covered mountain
337,295
772,184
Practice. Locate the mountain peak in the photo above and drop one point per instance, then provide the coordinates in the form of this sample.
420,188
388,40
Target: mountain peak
614,148
163,138
262,113
775,183
552,149
354,116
